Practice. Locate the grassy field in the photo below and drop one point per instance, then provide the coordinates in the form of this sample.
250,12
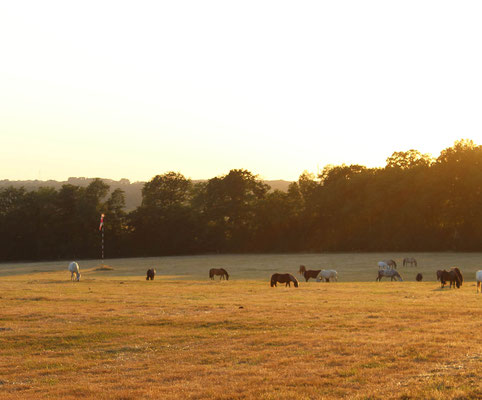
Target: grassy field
351,267
116,336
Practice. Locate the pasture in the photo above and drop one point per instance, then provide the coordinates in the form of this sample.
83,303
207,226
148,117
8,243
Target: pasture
114,335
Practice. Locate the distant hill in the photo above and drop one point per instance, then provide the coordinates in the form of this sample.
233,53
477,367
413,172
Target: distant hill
132,191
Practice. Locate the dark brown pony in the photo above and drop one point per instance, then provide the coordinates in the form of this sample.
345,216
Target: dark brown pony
448,276
283,278
223,274
457,271
419,277
310,273
150,274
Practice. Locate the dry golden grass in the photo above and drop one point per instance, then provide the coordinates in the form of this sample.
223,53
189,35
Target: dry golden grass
127,338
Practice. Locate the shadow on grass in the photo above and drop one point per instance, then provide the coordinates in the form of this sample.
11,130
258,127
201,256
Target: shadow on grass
442,289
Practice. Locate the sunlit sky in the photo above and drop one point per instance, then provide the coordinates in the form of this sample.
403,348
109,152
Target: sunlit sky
119,89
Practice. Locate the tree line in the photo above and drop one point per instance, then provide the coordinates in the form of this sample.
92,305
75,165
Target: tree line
414,203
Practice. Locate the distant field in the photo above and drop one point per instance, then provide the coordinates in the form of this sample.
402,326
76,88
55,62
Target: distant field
113,335
351,267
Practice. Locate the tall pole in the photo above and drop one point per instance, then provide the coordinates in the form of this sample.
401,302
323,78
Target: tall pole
101,228
102,243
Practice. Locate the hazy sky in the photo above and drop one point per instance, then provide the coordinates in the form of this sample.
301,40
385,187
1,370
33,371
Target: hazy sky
120,89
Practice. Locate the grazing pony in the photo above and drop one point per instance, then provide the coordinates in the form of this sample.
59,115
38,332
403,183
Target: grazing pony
151,272
223,274
389,273
451,276
409,260
283,278
419,277
478,278
310,273
327,275
74,269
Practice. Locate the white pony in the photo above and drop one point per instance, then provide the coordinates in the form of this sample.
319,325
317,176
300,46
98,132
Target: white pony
74,269
383,265
327,275
478,278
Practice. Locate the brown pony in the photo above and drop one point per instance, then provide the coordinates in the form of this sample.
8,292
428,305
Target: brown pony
451,276
310,273
457,271
283,278
223,274
151,272
419,277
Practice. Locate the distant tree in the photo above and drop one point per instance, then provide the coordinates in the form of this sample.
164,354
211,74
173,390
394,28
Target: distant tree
458,172
164,223
229,209
165,191
409,159
12,222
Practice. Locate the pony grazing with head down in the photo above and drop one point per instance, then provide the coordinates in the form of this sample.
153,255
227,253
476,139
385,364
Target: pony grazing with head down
223,274
388,273
74,270
448,276
478,278
151,272
328,275
283,278
310,273
409,260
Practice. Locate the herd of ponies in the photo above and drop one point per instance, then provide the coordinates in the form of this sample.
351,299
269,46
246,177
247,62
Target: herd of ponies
386,268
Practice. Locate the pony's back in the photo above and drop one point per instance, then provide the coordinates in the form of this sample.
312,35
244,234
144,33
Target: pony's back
74,267
478,276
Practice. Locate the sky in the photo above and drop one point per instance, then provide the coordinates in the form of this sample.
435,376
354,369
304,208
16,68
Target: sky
132,89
